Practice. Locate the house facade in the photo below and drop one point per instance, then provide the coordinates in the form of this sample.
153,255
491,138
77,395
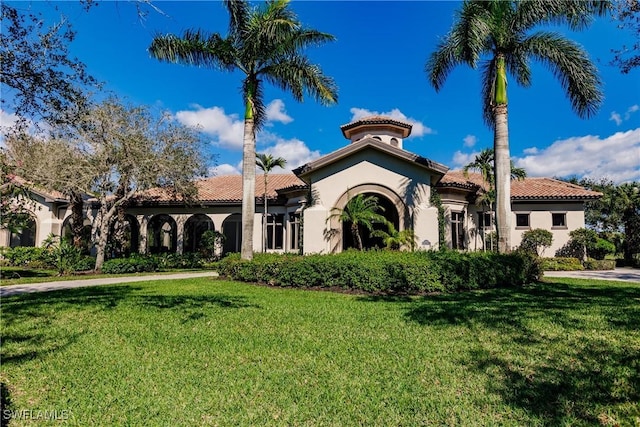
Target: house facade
302,205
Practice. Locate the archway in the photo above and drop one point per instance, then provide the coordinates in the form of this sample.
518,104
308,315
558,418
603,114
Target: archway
25,236
85,235
395,211
194,228
232,230
388,210
162,236
124,238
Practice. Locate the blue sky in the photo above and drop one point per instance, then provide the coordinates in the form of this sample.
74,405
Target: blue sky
378,63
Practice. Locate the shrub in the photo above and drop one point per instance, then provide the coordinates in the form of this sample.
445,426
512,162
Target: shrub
561,264
599,264
385,271
173,261
133,264
533,240
601,249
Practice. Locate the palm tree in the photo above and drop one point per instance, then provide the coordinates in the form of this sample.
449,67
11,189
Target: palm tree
267,162
484,163
501,33
362,210
264,44
394,239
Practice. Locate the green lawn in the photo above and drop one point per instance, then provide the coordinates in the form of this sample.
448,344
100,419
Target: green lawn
212,352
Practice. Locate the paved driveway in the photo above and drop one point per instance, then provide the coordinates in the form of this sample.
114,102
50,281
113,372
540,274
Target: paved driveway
54,286
621,274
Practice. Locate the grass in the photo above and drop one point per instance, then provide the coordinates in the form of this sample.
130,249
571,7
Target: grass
214,352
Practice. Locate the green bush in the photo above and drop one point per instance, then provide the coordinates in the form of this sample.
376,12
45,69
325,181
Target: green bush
31,257
601,249
133,264
173,261
599,264
386,271
561,264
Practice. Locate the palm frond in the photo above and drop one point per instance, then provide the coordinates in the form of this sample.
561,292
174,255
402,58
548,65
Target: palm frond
194,48
571,65
295,73
488,70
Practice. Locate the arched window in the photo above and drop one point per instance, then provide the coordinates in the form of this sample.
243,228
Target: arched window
25,236
162,236
194,228
394,142
232,230
388,210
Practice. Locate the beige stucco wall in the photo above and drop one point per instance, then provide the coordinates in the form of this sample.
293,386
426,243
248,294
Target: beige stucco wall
368,171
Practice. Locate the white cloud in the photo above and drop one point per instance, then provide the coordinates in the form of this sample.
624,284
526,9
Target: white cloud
276,113
225,169
227,129
7,119
615,157
470,140
418,128
532,150
631,110
616,118
461,159
294,151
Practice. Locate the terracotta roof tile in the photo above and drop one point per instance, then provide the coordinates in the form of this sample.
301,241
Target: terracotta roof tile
50,194
228,188
526,189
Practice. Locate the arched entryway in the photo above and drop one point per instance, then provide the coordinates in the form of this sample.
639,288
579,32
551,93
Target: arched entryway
162,236
395,211
124,238
232,230
194,228
85,234
25,236
387,209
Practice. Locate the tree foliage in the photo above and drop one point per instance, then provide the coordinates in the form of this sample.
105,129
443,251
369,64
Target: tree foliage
114,153
627,13
38,79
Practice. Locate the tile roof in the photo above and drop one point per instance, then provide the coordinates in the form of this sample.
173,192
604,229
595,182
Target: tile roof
228,188
376,121
526,189
47,194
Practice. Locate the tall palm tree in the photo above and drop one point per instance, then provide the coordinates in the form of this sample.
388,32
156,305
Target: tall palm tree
264,44
267,163
483,162
501,33
362,210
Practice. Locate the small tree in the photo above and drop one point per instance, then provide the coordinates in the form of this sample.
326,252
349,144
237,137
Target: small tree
396,240
266,162
114,153
363,211
536,239
211,244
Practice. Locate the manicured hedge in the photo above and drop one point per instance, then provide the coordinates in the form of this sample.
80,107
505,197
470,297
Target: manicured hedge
133,264
561,264
600,264
386,271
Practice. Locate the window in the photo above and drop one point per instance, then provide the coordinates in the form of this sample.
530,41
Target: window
559,220
294,231
394,142
484,220
275,231
522,220
457,230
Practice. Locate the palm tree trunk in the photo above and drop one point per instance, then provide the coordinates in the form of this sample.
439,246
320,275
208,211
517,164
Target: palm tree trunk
502,158
265,216
248,188
356,235
503,180
77,218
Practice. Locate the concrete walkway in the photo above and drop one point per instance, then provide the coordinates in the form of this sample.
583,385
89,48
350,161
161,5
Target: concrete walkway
69,284
620,274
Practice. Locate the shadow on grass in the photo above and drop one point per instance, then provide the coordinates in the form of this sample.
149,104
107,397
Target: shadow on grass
567,354
6,405
30,327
